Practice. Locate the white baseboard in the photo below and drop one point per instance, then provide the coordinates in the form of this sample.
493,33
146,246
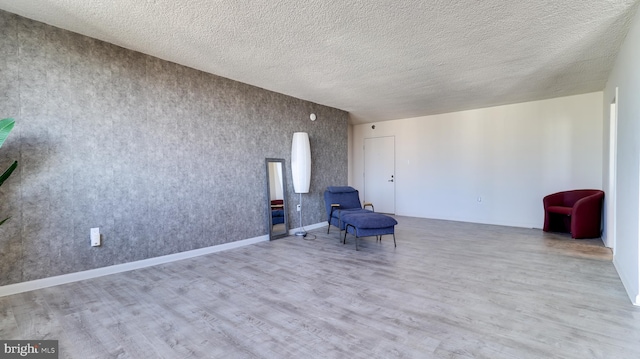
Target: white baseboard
634,297
309,227
124,267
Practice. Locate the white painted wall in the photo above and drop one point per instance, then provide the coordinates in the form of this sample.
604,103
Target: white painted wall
626,76
511,156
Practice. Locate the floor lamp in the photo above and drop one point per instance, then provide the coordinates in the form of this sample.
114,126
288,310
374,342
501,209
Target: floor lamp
301,169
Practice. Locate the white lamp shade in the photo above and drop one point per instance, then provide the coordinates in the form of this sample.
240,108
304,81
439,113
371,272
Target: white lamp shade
301,162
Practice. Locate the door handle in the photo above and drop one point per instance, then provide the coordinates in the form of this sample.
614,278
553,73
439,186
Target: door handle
391,180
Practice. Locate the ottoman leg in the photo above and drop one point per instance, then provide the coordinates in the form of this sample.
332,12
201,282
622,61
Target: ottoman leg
344,240
355,235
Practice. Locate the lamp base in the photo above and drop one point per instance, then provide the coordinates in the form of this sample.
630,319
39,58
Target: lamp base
301,234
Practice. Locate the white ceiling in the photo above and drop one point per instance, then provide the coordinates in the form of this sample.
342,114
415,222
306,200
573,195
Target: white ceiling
377,59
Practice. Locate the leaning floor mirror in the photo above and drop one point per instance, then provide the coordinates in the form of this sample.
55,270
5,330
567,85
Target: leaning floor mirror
277,204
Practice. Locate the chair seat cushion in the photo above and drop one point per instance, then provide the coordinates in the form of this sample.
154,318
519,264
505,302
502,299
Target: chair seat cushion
369,220
340,213
560,210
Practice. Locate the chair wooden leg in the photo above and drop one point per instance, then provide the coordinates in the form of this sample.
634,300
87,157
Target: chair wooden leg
394,240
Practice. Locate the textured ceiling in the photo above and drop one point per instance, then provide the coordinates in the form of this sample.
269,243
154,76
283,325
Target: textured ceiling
377,59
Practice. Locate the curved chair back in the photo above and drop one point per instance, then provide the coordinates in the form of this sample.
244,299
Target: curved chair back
347,197
569,198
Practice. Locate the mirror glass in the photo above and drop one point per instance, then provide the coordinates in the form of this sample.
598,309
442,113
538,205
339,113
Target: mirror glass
277,205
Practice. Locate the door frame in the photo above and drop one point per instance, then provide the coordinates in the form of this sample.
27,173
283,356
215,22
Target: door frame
613,168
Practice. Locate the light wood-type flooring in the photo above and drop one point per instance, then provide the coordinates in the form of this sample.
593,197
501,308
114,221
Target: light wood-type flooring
449,290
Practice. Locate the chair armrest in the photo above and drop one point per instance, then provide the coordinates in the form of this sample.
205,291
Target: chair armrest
555,199
589,207
368,204
586,216
334,206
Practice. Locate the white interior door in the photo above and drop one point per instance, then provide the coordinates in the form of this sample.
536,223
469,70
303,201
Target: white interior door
379,173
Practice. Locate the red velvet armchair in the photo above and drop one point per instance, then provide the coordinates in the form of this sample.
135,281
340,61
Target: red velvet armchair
578,212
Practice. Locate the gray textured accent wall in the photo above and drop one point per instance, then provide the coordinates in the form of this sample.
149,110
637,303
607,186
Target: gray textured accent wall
161,157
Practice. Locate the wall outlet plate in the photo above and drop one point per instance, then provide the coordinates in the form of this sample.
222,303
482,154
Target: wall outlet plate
95,237
298,208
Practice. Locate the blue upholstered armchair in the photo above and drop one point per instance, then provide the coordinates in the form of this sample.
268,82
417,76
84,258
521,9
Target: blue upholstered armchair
339,200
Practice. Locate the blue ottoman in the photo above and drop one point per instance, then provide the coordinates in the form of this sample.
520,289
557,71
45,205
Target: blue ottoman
368,224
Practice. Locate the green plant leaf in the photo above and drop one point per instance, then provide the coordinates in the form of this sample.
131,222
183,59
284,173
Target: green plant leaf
8,172
6,125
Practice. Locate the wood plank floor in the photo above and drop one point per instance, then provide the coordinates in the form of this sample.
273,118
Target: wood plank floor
449,290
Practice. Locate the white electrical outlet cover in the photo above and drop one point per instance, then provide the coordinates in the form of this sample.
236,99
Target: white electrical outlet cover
95,237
